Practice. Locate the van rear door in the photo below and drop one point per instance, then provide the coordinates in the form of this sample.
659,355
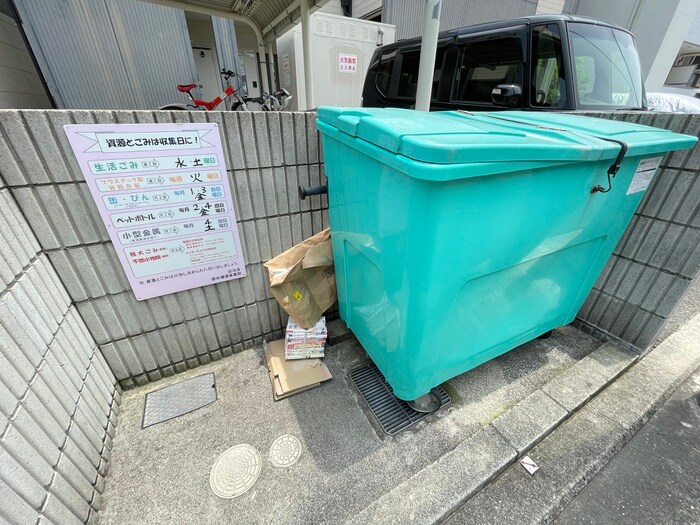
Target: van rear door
486,60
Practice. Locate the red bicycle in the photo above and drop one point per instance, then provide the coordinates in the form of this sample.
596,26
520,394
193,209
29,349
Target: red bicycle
204,105
278,101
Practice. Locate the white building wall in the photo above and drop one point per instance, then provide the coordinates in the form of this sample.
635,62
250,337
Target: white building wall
333,8
549,7
659,48
659,28
20,85
248,48
360,8
407,15
619,12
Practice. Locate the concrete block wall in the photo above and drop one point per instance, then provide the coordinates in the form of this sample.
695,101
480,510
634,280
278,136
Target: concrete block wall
267,155
659,253
58,396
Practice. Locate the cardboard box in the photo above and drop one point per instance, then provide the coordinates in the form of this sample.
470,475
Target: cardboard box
291,377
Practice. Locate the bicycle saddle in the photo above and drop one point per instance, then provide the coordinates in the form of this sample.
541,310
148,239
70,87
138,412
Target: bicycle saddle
184,88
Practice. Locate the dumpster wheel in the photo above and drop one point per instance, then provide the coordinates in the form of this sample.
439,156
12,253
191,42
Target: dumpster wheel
545,335
427,403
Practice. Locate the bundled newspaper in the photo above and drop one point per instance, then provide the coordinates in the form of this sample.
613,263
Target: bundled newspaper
303,344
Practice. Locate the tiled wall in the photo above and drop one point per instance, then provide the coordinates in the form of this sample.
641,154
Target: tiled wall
267,154
58,397
659,254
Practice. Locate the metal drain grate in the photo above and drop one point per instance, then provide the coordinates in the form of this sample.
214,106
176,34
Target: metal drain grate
392,413
178,399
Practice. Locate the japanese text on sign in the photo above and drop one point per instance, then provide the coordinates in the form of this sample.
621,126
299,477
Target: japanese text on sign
347,63
164,197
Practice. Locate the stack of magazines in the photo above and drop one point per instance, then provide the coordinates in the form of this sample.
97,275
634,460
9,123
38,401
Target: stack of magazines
304,344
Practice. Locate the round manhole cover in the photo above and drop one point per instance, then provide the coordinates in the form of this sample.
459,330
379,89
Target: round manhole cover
235,471
285,451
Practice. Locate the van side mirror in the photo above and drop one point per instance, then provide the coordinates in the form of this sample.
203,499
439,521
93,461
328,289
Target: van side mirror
507,95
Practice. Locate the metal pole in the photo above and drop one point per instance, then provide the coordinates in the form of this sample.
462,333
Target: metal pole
274,81
428,48
308,77
262,67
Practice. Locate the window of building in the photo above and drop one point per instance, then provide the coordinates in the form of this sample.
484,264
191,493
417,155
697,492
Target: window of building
486,64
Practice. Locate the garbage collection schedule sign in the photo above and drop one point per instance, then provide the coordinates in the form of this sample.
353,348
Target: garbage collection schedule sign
164,196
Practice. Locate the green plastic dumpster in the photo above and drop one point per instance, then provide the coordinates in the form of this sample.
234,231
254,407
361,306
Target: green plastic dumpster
459,236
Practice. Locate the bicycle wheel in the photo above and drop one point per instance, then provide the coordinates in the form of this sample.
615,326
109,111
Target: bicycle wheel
175,107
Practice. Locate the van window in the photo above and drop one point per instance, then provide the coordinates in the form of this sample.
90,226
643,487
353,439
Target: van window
486,64
548,79
607,68
386,64
408,81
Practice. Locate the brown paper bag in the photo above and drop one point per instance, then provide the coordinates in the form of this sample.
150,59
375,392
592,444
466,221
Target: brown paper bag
302,279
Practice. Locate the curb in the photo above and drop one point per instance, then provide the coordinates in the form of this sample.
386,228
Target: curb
576,451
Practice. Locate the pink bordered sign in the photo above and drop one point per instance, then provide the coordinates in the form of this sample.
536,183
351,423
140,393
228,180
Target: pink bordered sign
164,196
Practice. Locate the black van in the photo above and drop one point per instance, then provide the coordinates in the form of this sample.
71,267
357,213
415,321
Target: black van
546,62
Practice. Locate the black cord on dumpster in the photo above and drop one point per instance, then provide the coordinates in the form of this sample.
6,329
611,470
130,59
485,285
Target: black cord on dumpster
614,167
612,170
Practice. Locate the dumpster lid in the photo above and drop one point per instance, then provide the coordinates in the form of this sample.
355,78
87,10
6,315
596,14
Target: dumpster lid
456,137
640,139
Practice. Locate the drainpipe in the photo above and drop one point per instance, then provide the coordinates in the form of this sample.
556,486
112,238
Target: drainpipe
428,49
308,77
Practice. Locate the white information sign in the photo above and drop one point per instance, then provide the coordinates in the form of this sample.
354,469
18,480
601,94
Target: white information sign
644,174
164,197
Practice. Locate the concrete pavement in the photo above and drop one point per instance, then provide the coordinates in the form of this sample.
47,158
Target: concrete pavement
577,450
161,474
655,479
568,402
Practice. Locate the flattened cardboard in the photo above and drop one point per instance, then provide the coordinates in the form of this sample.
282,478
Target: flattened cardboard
291,377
